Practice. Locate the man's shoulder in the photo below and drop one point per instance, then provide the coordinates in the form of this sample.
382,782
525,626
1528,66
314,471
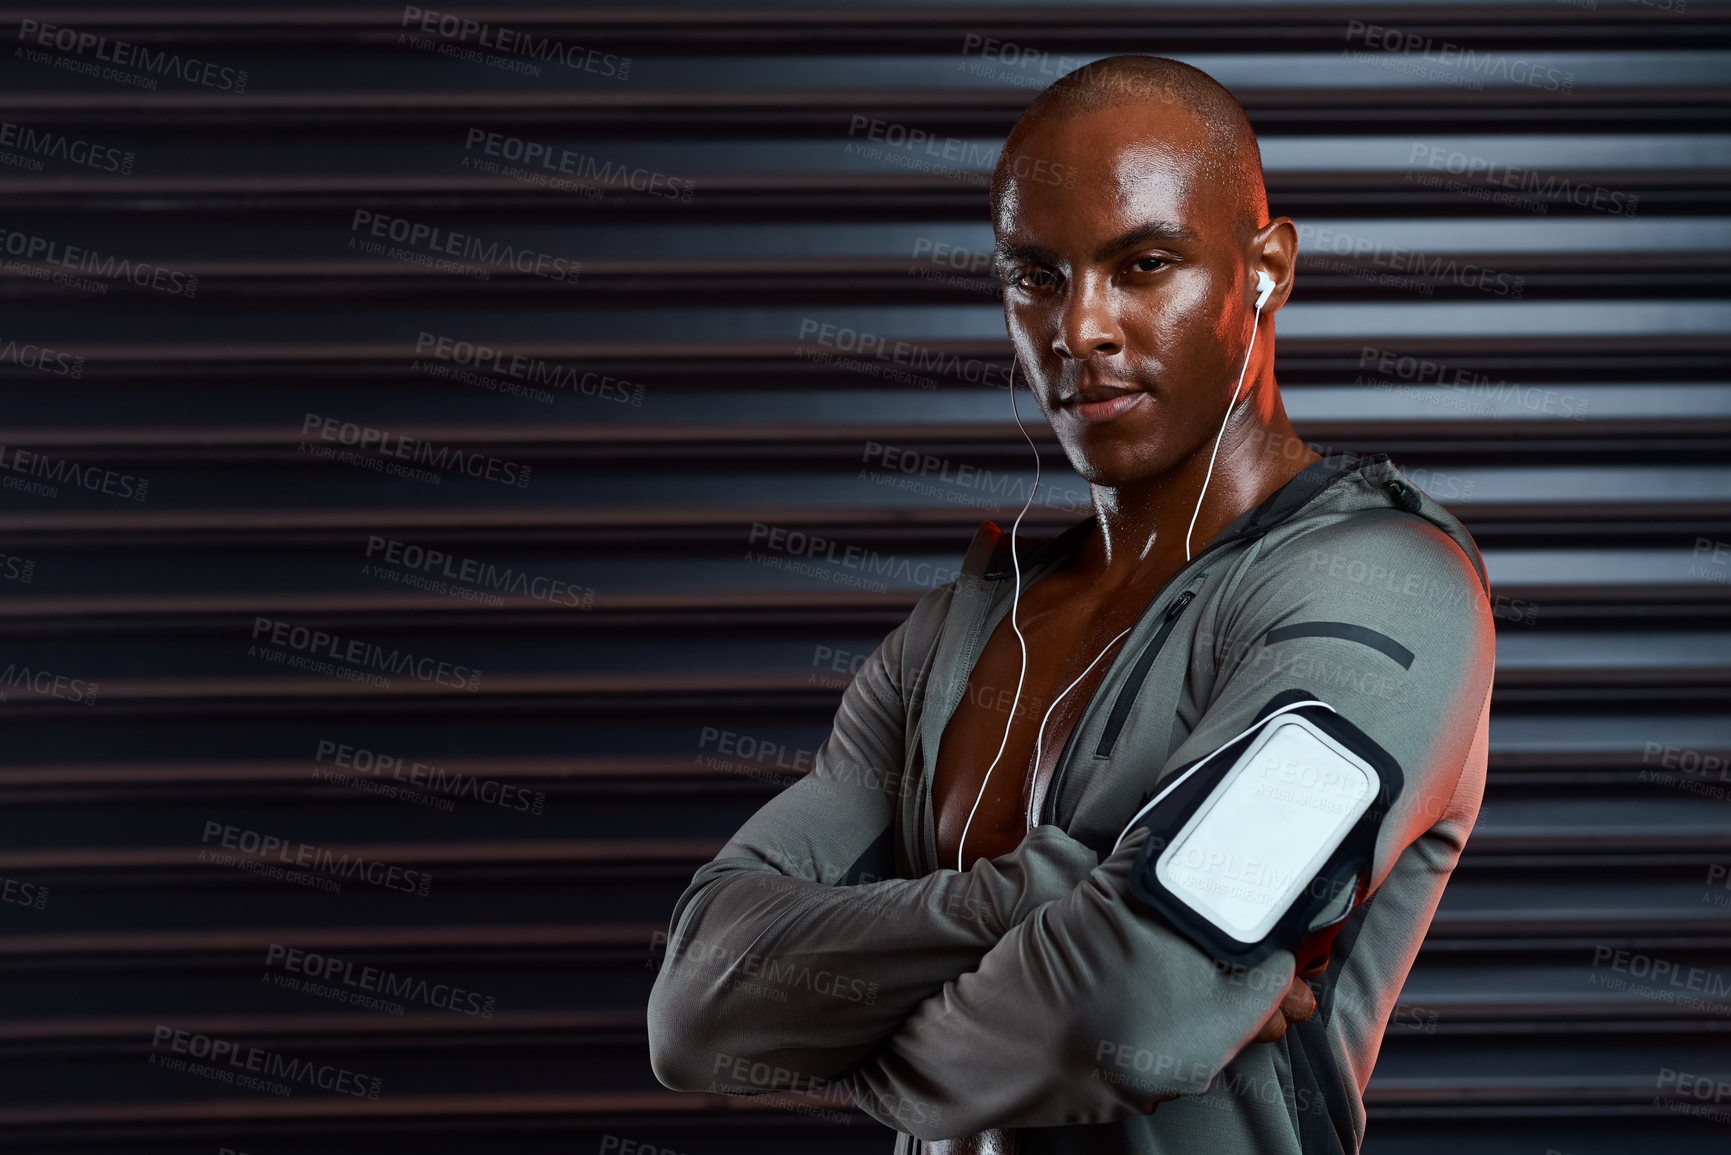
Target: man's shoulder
1363,534
1387,569
1379,521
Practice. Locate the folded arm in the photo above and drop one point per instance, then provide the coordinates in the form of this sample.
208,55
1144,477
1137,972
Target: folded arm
778,953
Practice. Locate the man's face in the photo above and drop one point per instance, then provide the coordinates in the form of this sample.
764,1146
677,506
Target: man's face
1126,289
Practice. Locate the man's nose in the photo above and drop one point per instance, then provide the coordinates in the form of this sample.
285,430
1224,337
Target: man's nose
1088,325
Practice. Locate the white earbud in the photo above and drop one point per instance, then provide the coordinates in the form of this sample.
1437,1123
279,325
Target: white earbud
1264,286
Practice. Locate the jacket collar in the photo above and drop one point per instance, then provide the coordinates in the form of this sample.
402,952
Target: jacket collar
1274,509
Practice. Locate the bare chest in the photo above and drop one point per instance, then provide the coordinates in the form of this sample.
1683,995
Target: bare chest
999,750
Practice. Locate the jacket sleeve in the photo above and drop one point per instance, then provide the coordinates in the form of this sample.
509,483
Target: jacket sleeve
779,956
1096,986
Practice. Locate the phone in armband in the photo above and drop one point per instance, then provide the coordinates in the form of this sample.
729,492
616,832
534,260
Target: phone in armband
1268,843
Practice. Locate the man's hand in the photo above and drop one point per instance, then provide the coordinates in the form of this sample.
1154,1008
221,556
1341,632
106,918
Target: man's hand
1298,1004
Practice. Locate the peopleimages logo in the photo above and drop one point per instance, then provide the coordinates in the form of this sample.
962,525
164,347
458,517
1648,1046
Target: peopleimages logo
258,848
30,463
1419,372
1484,173
371,980
894,351
460,31
152,61
144,274
41,142
1476,67
797,543
1445,268
365,655
589,171
374,765
46,684
229,1060
22,893
422,560
386,444
439,241
40,358
1015,55
531,370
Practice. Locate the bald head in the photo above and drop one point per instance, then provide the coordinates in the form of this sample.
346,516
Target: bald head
1229,159
1130,222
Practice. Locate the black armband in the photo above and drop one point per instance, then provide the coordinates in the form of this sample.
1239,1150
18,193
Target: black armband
1268,842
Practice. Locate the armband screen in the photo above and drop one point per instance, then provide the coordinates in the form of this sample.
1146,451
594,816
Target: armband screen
1254,852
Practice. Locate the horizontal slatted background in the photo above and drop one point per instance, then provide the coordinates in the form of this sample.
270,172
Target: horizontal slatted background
696,396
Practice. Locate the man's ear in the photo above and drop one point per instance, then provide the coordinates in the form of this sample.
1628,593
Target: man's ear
1274,248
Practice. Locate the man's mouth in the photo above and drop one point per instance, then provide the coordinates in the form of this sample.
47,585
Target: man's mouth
1099,403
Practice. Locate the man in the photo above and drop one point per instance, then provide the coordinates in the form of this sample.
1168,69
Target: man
944,923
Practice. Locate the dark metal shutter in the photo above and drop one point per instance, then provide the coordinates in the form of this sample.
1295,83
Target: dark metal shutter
304,385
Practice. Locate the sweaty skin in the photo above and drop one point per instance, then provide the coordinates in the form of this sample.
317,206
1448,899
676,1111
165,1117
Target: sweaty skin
1126,287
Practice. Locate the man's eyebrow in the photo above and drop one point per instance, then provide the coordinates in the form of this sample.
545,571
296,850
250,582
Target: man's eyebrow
1008,253
1142,234
1149,231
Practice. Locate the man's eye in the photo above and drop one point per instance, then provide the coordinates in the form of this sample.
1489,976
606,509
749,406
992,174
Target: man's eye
1035,279
1149,264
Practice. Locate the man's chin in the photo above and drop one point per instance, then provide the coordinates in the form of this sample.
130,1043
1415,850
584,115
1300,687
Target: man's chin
1112,461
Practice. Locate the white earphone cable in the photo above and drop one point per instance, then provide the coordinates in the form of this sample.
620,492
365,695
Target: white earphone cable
1207,476
1015,600
1016,593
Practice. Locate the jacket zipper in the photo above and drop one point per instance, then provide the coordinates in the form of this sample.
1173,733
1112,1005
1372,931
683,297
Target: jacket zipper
1120,705
1139,674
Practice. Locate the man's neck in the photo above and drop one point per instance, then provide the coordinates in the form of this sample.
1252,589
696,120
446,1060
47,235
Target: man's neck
1143,526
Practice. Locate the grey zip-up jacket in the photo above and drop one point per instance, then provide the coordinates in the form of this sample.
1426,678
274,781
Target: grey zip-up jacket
826,955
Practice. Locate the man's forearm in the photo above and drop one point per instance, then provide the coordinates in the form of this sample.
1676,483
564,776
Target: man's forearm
809,978
1018,1041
